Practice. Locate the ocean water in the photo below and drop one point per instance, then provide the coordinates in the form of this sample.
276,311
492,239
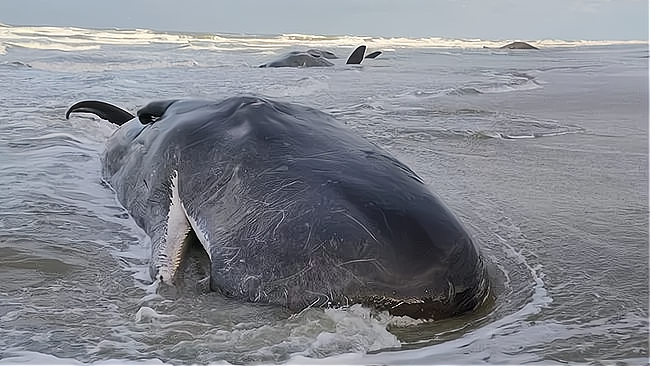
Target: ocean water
542,154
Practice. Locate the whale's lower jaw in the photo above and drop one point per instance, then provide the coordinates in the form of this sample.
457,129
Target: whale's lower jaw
180,230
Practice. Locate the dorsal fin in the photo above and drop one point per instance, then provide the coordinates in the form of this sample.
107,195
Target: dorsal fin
153,111
102,110
356,56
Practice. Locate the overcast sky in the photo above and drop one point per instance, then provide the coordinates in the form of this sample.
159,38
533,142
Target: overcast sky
484,19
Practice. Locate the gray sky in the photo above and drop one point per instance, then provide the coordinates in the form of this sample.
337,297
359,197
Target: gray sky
484,19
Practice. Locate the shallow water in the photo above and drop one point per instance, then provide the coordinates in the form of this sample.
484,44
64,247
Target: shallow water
543,155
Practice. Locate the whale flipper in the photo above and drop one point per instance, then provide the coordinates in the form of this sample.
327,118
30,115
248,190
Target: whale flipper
357,56
154,110
102,110
374,54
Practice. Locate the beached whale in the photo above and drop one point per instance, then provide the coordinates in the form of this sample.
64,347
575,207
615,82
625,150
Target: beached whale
299,59
291,207
314,58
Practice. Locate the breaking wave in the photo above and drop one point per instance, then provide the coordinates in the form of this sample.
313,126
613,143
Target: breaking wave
76,39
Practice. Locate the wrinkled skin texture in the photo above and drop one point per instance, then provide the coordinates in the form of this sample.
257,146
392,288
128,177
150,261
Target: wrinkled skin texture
295,209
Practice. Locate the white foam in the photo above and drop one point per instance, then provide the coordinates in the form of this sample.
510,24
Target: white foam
37,358
59,46
528,85
147,315
357,322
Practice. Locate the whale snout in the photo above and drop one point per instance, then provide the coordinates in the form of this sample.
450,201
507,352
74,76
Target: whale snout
437,293
424,307
441,289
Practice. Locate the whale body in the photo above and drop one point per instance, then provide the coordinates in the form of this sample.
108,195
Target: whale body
291,207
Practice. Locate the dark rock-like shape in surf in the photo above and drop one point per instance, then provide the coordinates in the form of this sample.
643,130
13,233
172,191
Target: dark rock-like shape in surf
291,207
518,46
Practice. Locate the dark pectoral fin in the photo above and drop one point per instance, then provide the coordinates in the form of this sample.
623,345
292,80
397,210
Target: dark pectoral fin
357,56
374,54
102,110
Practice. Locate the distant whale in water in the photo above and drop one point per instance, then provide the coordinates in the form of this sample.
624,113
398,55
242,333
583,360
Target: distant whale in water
518,46
315,58
299,59
291,207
